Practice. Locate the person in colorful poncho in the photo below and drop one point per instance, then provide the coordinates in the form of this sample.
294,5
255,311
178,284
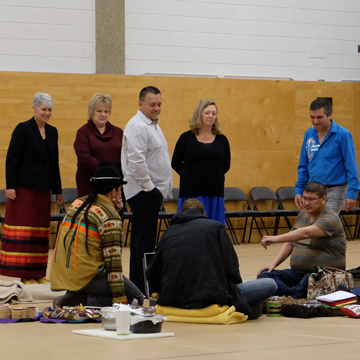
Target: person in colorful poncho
87,258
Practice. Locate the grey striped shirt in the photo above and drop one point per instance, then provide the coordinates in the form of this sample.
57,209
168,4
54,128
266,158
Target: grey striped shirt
324,251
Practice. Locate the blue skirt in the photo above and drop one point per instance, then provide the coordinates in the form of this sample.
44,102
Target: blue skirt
213,205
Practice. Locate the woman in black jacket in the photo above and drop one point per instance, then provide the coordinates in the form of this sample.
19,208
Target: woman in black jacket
202,158
32,174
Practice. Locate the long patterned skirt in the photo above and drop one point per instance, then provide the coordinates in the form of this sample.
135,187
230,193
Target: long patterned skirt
25,242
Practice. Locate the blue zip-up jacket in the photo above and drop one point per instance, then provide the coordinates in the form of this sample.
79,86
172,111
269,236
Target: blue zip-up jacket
333,162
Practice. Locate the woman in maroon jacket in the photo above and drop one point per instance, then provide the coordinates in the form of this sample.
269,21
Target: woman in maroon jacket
96,142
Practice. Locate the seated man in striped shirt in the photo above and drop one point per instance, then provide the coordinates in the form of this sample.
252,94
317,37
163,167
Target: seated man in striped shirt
316,239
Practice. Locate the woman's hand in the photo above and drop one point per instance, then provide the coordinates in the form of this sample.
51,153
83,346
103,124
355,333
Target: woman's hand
59,198
10,194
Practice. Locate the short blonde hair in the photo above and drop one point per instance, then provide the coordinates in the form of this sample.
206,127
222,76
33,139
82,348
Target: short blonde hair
96,100
193,204
195,121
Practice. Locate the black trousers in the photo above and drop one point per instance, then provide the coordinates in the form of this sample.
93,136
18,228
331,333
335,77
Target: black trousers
99,292
145,207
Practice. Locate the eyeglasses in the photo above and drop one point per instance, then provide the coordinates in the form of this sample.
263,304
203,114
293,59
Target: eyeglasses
309,199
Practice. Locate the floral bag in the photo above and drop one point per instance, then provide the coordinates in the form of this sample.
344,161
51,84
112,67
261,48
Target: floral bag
325,281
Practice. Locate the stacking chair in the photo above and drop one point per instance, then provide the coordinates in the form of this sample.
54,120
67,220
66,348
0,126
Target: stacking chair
127,216
69,195
165,216
59,216
286,195
265,194
355,224
236,194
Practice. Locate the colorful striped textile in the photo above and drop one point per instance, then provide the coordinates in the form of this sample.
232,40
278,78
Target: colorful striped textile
25,242
74,267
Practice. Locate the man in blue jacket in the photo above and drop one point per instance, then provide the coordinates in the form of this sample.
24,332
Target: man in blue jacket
328,156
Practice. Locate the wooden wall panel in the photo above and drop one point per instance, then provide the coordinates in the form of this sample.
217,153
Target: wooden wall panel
263,120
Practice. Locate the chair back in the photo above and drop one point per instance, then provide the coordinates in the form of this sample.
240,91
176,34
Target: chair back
3,198
236,194
175,196
69,195
263,194
286,193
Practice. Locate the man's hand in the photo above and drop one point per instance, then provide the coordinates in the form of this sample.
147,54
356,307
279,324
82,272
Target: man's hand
119,205
349,204
268,240
298,201
270,268
10,194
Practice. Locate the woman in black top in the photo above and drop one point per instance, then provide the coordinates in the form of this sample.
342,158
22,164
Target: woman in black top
202,158
32,175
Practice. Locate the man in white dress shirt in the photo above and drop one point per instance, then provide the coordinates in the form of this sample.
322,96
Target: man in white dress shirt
146,166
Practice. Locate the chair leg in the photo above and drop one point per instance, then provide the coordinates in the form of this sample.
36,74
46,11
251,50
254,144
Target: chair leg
348,233
357,228
251,227
245,226
259,228
232,231
276,225
158,232
128,230
264,227
288,223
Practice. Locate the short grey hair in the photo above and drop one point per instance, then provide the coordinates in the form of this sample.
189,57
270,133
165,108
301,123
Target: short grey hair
42,98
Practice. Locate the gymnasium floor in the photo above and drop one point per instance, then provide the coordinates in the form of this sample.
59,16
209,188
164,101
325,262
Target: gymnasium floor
265,338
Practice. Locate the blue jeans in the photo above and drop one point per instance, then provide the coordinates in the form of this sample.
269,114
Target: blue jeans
336,197
289,282
256,291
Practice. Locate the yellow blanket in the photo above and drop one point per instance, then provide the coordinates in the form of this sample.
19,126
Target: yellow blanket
213,314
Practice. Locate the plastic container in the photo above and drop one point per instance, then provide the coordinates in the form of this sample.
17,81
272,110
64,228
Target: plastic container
273,308
145,322
123,321
108,318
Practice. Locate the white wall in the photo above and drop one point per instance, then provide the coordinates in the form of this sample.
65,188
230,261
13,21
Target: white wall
302,39
47,36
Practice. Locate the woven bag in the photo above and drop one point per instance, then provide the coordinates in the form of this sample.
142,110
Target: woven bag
328,282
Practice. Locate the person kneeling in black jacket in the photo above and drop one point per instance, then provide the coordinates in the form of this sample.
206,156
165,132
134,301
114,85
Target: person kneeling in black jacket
195,266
